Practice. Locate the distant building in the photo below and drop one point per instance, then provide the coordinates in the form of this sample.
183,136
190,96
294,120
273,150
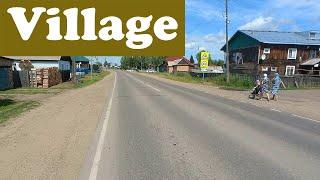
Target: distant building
257,52
178,64
38,62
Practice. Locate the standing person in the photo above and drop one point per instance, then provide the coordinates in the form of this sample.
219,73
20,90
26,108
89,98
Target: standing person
265,86
276,82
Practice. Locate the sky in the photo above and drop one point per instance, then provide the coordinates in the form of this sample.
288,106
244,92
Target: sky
205,28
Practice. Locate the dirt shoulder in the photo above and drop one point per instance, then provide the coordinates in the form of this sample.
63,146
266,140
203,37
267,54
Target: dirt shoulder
50,142
304,103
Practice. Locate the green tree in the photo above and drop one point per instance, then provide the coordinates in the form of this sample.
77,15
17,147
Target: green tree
26,65
199,58
105,64
191,59
141,62
218,62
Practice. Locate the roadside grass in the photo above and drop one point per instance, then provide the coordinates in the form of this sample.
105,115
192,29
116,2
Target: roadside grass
300,88
87,80
10,108
236,82
28,91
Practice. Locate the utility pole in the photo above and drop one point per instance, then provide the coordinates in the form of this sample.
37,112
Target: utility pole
227,43
74,73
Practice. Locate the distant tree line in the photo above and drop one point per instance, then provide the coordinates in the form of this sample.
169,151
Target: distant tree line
211,61
147,62
142,62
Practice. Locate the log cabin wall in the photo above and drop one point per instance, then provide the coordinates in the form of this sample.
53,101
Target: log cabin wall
249,62
278,57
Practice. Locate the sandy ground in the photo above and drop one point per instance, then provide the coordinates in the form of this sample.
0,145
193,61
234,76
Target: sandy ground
50,142
304,103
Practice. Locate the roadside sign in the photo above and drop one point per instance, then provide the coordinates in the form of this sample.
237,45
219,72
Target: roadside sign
204,61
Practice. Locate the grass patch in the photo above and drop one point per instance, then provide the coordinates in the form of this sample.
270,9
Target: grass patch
239,82
28,91
10,108
88,80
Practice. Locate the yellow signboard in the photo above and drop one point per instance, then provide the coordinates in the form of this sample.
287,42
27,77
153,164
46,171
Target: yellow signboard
204,60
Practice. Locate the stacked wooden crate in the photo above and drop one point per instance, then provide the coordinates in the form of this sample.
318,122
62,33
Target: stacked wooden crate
51,77
46,77
33,79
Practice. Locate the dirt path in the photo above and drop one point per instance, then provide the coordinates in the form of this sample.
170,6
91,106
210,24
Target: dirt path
304,103
50,142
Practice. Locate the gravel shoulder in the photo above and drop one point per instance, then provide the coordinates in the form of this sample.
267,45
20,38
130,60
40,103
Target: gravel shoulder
304,103
50,142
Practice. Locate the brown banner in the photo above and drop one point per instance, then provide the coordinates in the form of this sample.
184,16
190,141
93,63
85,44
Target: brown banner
92,27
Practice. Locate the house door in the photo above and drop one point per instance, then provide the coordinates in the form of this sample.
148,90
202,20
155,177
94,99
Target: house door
4,78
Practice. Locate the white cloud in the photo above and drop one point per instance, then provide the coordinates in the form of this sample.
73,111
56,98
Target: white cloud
260,23
203,10
215,38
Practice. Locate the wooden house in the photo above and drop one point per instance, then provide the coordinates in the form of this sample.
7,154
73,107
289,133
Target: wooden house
257,52
175,64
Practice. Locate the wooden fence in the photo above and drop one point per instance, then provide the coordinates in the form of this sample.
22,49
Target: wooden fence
21,79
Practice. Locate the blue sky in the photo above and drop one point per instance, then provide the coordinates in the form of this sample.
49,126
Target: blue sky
205,27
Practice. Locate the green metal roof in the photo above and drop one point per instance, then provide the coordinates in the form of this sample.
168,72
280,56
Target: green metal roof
80,58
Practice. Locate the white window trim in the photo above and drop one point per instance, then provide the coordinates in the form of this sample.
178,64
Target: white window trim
274,69
264,68
266,51
294,70
295,54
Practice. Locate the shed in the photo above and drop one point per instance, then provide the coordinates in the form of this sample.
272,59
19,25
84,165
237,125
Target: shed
6,80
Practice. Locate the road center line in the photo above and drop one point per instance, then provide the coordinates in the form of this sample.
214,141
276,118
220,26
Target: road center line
275,110
146,84
305,118
153,87
97,157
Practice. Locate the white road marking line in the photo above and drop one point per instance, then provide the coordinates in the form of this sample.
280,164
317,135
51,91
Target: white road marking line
138,80
153,88
275,110
305,118
97,157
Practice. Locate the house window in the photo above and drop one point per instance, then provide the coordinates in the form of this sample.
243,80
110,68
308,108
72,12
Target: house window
313,54
274,69
238,58
290,70
265,68
292,53
266,51
312,35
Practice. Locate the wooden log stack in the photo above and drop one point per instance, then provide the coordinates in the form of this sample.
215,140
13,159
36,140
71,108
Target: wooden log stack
45,77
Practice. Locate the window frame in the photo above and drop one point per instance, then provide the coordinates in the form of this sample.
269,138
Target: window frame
265,68
294,70
312,35
266,50
295,54
311,53
274,69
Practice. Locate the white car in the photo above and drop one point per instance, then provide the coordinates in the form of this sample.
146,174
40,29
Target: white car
150,71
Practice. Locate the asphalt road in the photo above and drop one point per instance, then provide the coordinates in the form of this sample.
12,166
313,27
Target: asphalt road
155,130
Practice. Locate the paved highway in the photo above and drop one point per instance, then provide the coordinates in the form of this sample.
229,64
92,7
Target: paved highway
156,130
